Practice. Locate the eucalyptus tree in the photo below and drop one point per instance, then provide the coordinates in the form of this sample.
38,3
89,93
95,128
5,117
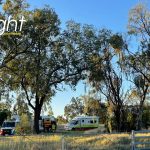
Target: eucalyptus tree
107,75
138,59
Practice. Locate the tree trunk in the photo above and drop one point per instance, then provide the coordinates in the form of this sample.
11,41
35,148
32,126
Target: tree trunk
36,121
37,113
139,118
140,111
117,114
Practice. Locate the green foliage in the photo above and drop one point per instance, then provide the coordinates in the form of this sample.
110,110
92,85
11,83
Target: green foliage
5,112
61,120
24,126
146,117
74,109
132,114
14,7
20,106
139,20
116,41
50,111
91,106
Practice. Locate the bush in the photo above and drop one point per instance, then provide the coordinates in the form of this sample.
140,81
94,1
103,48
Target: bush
24,126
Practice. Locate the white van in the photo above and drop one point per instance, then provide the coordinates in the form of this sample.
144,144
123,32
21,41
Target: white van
8,126
83,123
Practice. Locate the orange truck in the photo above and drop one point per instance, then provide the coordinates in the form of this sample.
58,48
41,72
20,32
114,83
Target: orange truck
47,123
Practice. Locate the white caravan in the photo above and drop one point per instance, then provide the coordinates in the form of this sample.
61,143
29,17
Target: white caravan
83,123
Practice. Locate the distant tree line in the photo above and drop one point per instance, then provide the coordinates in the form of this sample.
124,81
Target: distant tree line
87,105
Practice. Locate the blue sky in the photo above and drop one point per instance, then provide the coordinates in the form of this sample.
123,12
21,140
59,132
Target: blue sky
111,14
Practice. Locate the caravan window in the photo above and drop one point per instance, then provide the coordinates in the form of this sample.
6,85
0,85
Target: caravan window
82,120
74,122
95,121
91,121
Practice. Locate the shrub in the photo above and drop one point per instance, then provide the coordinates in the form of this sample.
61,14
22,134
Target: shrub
24,126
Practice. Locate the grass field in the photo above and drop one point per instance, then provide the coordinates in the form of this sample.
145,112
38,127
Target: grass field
66,141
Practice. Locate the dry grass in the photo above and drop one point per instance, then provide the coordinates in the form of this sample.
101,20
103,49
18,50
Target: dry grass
71,142
30,142
98,142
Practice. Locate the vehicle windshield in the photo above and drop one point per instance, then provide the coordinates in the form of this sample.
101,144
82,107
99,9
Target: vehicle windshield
74,122
8,124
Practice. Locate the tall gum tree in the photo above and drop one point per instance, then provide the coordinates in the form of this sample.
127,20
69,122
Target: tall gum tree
137,60
106,76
